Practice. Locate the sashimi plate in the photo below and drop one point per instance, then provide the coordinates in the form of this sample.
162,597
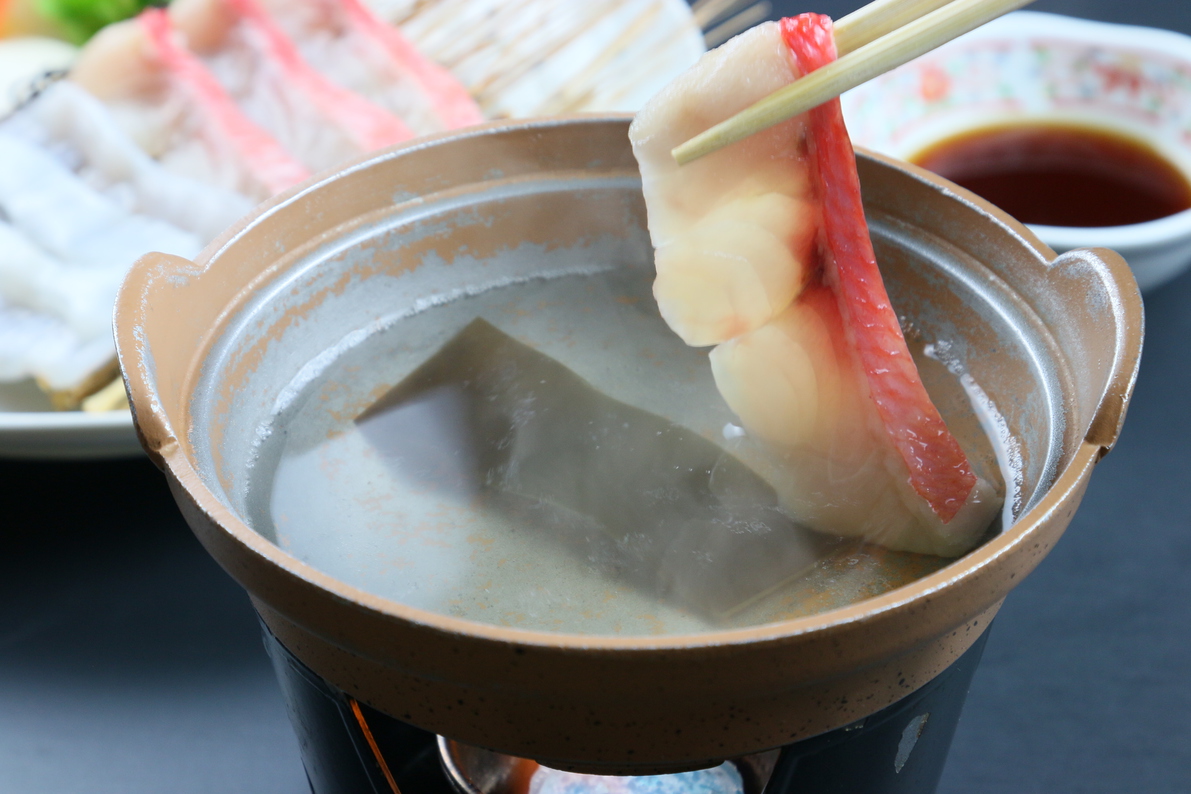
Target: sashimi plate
600,58
29,429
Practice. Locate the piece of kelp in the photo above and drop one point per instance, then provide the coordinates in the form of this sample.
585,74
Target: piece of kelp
688,521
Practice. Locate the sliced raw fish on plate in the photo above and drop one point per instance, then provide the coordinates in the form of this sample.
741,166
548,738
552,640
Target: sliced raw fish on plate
37,345
318,122
540,57
347,42
168,142
36,280
64,249
166,100
79,131
71,220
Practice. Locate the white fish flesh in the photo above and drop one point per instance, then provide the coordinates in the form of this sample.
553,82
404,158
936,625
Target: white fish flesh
320,123
346,41
166,100
67,218
762,250
41,346
82,135
64,249
541,57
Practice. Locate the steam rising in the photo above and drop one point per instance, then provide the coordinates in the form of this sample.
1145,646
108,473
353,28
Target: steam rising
491,420
544,453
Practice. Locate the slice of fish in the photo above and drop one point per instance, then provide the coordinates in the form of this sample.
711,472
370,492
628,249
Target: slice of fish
938,469
347,42
32,278
166,100
318,122
762,249
539,57
44,347
734,237
37,340
82,135
64,249
80,202
70,220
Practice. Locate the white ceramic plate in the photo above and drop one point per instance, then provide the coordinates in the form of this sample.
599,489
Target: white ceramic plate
29,429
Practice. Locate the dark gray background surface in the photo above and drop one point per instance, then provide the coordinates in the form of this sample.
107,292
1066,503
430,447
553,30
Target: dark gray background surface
129,662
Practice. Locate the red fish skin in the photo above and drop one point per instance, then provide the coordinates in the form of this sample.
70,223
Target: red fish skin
938,469
451,101
369,126
267,160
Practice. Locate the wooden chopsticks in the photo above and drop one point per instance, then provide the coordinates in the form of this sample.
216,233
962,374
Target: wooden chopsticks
881,36
879,18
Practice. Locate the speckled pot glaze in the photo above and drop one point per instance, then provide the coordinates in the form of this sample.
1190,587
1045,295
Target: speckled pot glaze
1064,330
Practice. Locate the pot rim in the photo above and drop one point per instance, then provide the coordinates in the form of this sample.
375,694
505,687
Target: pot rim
174,453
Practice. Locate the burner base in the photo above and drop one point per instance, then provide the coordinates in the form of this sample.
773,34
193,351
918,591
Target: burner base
350,748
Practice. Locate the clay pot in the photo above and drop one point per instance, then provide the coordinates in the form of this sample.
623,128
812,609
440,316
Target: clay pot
207,346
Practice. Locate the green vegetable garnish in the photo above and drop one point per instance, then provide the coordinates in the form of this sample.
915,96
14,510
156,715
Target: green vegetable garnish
81,19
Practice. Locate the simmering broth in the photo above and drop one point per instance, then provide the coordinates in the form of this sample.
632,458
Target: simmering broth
547,454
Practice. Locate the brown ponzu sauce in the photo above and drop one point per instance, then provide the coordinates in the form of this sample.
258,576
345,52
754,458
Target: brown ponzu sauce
1061,175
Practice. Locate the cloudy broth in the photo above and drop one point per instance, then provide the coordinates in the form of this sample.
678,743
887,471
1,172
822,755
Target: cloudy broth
549,455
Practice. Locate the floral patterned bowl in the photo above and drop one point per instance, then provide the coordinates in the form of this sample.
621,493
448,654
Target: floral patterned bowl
1046,67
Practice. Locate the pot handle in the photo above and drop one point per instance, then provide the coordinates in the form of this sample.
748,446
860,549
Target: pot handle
153,383
1114,293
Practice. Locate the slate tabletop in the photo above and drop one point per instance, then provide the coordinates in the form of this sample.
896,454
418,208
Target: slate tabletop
130,663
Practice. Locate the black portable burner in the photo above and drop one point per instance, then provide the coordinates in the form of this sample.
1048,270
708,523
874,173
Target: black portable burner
350,748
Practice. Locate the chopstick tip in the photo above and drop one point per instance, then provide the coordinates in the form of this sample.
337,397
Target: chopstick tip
681,154
710,140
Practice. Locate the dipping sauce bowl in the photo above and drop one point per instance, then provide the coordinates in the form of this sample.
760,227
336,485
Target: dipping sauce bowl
1030,68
